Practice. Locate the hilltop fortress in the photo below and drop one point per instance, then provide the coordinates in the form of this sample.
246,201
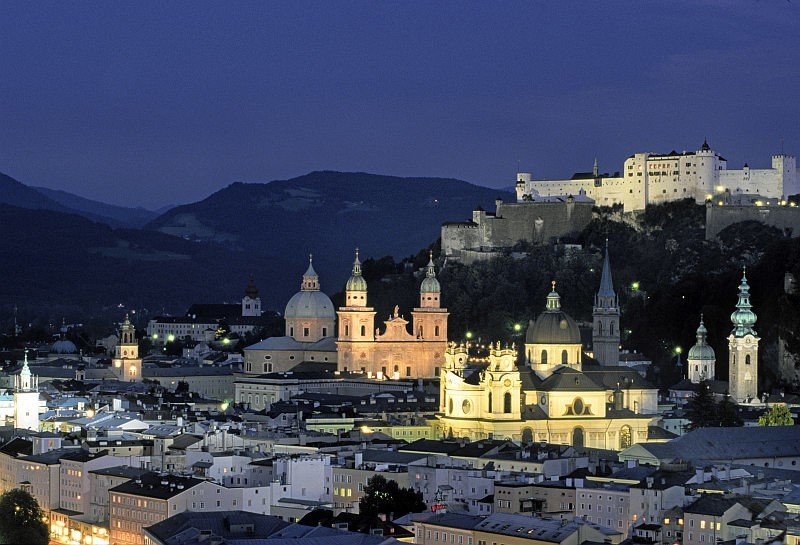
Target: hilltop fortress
653,178
547,209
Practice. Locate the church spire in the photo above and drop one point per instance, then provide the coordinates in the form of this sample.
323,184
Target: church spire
743,318
356,281
606,296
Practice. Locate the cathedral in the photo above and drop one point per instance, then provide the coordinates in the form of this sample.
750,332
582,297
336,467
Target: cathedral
405,349
551,396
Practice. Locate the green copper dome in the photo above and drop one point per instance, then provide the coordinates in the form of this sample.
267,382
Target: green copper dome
743,318
701,350
430,284
356,282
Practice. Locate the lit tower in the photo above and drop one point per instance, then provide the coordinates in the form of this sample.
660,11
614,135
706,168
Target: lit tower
430,320
127,363
605,317
701,358
743,349
26,399
356,323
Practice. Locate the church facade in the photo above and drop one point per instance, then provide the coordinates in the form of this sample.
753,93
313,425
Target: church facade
550,395
404,348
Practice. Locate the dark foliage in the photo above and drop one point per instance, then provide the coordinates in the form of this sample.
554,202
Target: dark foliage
21,519
382,496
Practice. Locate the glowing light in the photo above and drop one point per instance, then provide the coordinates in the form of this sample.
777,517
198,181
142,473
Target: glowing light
678,349
170,337
709,197
635,285
226,341
469,334
224,406
89,413
155,336
366,429
719,189
517,327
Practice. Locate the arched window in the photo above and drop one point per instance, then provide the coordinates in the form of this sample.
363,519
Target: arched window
450,406
527,436
490,401
291,332
564,357
324,331
599,328
421,334
436,331
611,328
544,357
363,331
577,437
346,330
747,359
507,402
396,369
625,437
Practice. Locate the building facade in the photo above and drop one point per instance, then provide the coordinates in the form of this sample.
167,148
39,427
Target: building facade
743,349
652,178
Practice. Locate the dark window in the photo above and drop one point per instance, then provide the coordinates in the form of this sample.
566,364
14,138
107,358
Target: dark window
564,357
506,402
544,357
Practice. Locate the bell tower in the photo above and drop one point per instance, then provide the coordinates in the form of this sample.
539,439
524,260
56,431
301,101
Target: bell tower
356,324
26,398
127,363
605,318
743,349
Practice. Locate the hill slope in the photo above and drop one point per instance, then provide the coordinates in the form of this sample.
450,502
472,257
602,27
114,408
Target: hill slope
112,214
329,214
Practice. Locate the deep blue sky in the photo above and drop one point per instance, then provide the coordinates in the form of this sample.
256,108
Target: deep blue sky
151,103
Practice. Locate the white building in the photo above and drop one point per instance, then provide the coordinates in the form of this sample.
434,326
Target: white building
652,178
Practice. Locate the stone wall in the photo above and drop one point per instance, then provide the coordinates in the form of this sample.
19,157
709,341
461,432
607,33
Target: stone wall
785,218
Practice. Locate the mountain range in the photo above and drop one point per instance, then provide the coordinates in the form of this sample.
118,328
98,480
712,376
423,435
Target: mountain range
67,254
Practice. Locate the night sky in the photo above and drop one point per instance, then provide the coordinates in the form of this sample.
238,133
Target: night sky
155,103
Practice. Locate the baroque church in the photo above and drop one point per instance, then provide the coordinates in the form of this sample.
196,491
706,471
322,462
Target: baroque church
742,384
551,395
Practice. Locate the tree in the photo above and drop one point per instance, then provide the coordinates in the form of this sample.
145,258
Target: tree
701,409
21,519
777,415
386,497
182,387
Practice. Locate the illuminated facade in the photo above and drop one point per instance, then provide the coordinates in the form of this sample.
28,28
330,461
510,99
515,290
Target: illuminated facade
26,399
651,178
743,349
127,363
394,353
551,396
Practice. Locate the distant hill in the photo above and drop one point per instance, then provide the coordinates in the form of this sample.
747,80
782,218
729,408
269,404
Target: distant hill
329,214
122,215
16,193
56,264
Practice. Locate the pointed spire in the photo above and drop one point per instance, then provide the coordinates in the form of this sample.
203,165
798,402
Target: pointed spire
25,369
606,296
431,272
743,318
356,265
430,284
595,169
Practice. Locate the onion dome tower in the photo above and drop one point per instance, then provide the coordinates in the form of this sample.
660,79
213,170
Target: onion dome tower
743,348
701,358
26,398
430,320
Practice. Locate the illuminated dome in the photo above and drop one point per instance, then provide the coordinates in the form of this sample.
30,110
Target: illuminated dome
63,346
553,326
309,302
701,350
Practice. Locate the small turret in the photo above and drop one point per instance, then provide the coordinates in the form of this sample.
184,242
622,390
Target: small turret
430,290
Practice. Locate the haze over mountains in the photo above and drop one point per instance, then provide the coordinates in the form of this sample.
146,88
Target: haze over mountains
65,253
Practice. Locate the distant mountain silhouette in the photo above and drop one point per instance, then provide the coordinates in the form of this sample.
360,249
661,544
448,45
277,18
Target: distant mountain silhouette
16,193
130,217
329,214
56,264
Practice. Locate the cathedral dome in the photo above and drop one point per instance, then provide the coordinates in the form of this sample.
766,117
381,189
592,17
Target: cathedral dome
309,304
63,346
553,326
356,282
430,285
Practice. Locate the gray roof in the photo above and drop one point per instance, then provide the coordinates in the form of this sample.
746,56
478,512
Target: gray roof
186,371
326,344
569,379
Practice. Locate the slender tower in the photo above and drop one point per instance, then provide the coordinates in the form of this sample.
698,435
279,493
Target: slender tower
743,349
605,332
430,326
356,325
26,399
127,363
